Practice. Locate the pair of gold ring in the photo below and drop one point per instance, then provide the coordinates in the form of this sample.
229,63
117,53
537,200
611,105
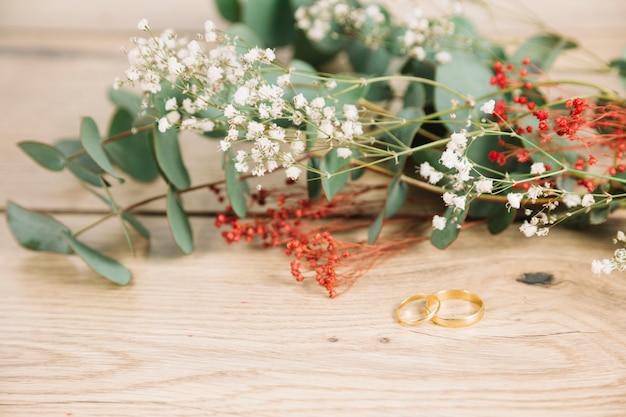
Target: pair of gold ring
433,303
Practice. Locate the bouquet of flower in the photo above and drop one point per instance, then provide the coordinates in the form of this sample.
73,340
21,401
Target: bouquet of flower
337,95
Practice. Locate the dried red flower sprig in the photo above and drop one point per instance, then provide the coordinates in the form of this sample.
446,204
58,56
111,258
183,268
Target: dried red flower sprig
594,130
307,230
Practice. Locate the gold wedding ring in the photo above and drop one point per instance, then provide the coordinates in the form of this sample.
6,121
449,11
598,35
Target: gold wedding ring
433,303
430,310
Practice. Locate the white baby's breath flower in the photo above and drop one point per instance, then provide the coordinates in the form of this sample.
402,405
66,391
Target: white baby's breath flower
300,101
293,172
210,34
443,57
537,168
283,80
143,24
170,104
297,147
604,266
571,200
488,107
344,153
241,95
449,158
439,222
164,124
587,200
528,229
534,192
514,199
484,185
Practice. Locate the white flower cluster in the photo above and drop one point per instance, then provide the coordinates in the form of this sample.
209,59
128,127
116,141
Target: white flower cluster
191,84
328,18
616,263
423,34
462,181
213,84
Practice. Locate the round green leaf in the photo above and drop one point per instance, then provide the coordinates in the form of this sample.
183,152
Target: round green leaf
132,153
84,173
92,142
366,60
126,100
500,217
244,37
169,158
314,183
45,155
271,19
454,219
235,189
179,223
375,228
332,179
229,9
542,50
103,265
36,231
469,74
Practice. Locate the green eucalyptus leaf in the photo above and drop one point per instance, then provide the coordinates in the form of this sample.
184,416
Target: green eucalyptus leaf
229,9
375,228
126,100
379,91
333,180
542,50
244,37
271,19
464,27
454,219
599,215
45,155
469,74
500,217
136,224
424,70
357,173
404,135
347,92
235,189
620,65
128,217
295,4
314,182
169,158
179,223
302,80
69,147
305,50
82,167
84,173
365,60
92,142
132,153
415,95
102,264
36,231
411,116
396,196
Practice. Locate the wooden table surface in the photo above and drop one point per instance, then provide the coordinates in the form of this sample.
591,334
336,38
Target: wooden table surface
226,331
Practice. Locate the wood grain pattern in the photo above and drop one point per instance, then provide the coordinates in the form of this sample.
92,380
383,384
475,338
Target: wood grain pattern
226,331
221,332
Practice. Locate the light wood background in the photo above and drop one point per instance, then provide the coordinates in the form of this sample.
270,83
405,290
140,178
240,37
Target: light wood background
226,331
